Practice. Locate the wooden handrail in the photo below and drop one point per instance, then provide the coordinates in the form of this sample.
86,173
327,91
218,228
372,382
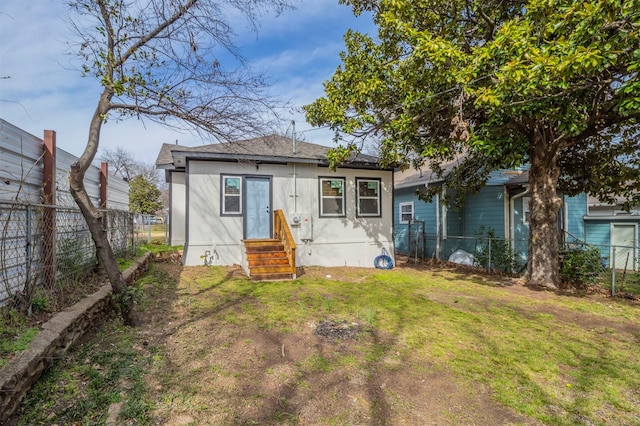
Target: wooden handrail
282,232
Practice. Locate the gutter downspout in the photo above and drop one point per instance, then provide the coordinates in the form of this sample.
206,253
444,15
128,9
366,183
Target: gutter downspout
505,212
295,177
512,230
445,210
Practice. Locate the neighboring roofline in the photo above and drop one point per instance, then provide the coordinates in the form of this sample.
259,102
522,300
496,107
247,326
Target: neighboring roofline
416,183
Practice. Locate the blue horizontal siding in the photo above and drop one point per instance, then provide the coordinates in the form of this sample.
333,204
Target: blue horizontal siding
422,211
486,208
576,208
598,233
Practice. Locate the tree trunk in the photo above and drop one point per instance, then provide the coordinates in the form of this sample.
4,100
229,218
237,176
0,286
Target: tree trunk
544,263
107,258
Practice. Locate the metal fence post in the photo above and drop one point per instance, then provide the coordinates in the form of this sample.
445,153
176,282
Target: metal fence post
489,265
28,250
131,231
613,271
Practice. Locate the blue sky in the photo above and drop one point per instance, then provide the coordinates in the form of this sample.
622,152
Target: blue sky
297,50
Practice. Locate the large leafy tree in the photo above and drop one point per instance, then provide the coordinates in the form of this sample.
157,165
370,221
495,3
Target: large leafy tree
144,196
549,83
168,61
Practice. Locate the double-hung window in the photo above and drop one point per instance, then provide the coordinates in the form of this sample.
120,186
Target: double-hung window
231,195
332,197
406,212
525,210
368,197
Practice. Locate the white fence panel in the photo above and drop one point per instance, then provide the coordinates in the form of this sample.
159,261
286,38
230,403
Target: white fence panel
21,173
20,165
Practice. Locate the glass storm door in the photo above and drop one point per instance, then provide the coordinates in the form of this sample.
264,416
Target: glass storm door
257,219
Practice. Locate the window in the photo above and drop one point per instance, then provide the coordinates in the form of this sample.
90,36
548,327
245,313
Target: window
332,197
231,195
368,197
525,210
406,212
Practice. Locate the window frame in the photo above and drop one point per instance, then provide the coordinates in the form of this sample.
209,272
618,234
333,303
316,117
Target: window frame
321,197
400,212
223,195
378,197
526,210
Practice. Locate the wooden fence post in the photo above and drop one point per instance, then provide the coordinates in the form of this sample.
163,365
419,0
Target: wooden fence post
104,184
49,211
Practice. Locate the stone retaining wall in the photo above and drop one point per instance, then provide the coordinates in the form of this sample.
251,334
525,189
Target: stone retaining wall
56,336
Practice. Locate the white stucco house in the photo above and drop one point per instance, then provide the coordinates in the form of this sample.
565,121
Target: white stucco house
225,197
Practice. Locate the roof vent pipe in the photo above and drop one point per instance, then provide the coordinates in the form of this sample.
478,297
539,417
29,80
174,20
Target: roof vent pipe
293,137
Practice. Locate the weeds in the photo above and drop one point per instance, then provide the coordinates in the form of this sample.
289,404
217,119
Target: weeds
370,315
40,301
559,360
328,303
15,334
80,388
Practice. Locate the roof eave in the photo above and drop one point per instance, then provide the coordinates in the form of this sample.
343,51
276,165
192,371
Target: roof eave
190,155
402,185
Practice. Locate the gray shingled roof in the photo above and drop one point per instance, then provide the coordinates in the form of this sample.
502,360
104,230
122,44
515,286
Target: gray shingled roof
519,180
265,148
424,175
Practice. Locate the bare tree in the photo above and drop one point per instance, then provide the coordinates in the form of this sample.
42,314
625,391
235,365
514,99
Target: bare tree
122,163
165,61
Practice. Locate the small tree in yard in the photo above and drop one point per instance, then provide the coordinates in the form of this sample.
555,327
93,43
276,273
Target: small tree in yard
163,60
144,196
549,83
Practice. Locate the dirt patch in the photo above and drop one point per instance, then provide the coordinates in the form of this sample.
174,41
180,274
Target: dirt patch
207,367
334,331
219,373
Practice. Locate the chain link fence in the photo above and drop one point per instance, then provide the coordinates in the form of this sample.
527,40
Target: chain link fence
27,255
618,270
483,250
612,268
150,228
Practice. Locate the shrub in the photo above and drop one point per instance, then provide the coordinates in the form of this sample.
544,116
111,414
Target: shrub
494,252
580,266
40,301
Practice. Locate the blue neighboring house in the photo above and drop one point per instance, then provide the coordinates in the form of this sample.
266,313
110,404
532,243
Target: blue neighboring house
608,226
434,230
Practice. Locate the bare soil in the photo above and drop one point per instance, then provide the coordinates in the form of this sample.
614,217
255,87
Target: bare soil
207,371
220,373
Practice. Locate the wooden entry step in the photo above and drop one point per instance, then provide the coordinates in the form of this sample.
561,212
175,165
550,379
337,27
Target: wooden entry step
267,260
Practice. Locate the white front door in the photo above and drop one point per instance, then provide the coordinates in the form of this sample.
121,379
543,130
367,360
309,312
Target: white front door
624,240
257,219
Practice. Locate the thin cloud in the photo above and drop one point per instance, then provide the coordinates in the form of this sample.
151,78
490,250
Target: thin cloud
297,51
